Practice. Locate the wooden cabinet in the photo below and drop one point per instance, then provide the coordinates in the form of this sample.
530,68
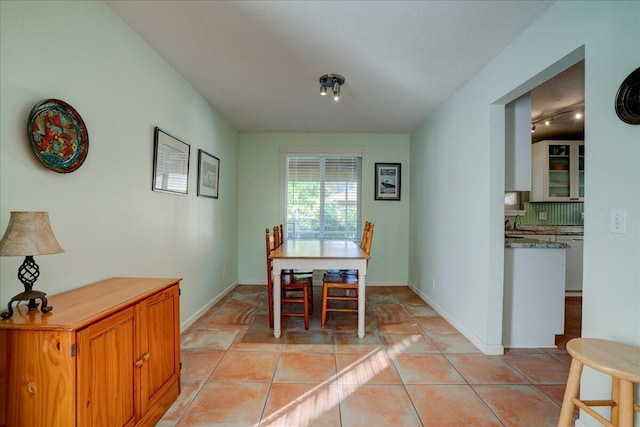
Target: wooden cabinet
107,355
557,171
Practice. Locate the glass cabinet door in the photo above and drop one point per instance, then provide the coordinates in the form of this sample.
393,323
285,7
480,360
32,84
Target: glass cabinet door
559,173
581,171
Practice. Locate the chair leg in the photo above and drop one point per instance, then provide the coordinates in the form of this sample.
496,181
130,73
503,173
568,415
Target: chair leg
270,299
324,305
306,308
571,392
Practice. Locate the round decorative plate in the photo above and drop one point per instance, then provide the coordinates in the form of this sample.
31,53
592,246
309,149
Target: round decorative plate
628,99
58,135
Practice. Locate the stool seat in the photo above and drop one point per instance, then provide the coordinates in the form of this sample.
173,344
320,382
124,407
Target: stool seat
620,361
609,357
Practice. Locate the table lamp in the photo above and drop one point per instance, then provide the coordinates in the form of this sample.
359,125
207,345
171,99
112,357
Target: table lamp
29,234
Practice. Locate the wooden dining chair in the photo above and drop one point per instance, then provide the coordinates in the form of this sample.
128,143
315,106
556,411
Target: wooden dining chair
345,282
295,289
279,234
365,245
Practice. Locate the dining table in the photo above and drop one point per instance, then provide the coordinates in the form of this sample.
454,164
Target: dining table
318,255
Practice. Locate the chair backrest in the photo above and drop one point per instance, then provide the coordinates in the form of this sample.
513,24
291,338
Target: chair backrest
277,237
367,237
269,244
281,234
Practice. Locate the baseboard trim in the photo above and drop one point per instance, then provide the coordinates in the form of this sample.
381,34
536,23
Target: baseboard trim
191,320
491,350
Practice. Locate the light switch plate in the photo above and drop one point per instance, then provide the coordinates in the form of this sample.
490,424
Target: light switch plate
618,221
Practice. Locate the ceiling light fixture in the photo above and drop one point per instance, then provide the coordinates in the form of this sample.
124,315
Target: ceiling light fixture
333,81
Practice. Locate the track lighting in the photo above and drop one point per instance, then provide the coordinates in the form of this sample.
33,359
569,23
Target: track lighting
548,120
333,81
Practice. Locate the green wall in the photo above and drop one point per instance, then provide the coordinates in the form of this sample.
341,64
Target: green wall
259,199
104,214
457,177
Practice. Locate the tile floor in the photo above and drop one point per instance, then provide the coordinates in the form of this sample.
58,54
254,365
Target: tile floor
412,369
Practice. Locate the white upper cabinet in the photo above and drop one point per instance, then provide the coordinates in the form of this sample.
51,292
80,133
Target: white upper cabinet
557,171
518,144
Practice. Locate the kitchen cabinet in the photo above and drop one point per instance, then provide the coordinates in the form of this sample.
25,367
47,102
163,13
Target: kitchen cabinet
517,166
574,252
557,173
573,272
533,308
107,355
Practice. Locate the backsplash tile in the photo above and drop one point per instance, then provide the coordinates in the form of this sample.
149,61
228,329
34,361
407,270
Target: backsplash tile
557,213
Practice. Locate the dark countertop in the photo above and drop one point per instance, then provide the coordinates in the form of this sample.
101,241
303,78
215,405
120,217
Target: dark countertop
514,242
559,230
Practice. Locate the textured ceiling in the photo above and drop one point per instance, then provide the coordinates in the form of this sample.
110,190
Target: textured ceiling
258,62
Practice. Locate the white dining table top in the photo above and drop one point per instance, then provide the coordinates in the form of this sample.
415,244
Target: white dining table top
327,249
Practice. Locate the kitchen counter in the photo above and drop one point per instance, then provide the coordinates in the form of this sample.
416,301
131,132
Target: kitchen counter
559,230
517,242
534,286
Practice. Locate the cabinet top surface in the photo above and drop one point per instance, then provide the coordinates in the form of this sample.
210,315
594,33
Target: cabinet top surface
79,307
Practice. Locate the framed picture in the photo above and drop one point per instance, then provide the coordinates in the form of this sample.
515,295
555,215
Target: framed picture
208,174
170,163
388,181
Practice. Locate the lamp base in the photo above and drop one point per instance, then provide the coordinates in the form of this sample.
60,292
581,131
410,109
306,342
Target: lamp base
31,296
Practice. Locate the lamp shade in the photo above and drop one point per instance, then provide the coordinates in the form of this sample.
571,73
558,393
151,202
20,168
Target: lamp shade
29,234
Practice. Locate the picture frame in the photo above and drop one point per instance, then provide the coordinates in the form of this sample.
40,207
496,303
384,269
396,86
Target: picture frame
170,163
208,174
388,181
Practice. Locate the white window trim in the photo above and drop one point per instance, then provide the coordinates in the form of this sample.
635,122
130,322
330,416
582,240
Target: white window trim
367,182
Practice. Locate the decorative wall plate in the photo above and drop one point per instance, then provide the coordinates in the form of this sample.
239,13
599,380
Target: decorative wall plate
628,99
58,135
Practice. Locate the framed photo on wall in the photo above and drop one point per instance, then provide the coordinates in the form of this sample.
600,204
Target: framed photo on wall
208,174
170,163
387,181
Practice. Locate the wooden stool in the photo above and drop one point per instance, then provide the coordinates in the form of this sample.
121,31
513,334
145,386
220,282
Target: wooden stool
621,361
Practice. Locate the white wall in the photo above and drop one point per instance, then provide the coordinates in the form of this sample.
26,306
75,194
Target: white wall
458,240
259,199
104,214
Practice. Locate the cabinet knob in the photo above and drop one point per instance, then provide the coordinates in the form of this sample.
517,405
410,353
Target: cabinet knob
31,387
146,357
139,363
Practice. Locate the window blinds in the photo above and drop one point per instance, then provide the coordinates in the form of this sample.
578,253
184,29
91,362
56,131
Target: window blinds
324,196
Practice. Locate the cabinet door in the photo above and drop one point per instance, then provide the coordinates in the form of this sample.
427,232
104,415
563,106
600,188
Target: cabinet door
38,384
106,358
160,345
573,272
559,171
578,191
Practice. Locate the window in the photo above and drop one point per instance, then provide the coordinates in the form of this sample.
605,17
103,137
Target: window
323,196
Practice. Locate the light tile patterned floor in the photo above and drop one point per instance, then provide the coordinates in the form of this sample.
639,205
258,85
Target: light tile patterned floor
412,369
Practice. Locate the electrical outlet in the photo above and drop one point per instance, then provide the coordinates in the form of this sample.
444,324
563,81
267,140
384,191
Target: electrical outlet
542,216
224,273
433,285
618,221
